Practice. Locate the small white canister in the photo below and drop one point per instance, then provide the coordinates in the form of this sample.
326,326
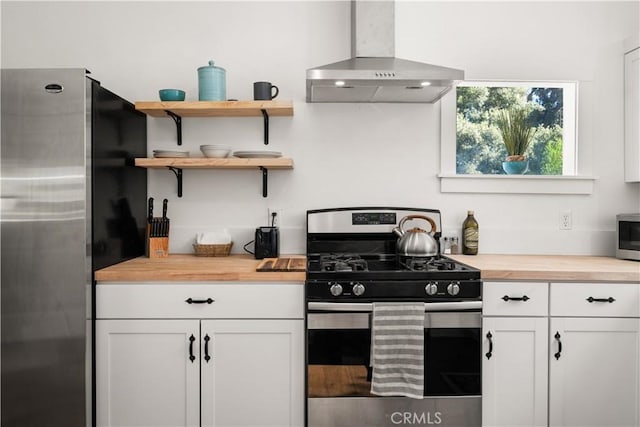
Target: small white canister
212,83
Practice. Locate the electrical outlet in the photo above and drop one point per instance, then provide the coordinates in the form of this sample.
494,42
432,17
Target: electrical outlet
277,221
566,220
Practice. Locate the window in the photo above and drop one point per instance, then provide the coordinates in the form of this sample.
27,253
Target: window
472,151
551,111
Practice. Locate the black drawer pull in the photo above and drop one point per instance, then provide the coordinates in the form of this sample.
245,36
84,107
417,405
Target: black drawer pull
206,348
489,353
557,337
199,301
609,300
522,298
191,340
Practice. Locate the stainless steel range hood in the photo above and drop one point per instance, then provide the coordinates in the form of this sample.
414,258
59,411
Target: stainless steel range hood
374,74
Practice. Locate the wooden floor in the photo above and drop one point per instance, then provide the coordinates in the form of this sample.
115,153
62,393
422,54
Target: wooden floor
332,381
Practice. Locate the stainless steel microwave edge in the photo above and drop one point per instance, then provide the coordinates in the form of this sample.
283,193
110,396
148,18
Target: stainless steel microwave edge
628,236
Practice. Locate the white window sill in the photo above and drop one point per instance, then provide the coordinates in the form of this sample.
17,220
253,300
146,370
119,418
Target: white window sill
516,184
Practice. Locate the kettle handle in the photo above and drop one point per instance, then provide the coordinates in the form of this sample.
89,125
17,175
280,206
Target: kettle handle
426,218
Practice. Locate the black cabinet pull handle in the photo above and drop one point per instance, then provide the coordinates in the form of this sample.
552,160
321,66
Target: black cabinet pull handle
489,353
609,300
206,348
557,337
199,301
191,340
522,298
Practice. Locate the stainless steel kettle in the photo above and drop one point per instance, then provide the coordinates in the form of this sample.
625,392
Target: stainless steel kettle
416,242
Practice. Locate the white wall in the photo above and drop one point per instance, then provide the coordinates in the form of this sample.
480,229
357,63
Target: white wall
352,154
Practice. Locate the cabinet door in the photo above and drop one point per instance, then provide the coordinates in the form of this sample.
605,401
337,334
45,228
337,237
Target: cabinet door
514,377
144,376
632,114
255,374
594,372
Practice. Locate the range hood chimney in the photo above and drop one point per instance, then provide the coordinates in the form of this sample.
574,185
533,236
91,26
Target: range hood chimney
373,74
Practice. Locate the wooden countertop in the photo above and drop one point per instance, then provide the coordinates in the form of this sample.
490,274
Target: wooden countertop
187,267
552,267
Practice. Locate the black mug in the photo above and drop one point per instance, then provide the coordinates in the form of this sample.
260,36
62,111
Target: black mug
263,91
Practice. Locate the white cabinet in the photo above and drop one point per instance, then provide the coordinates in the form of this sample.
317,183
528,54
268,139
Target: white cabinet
594,378
571,359
143,373
514,376
254,376
196,355
515,361
632,115
595,299
594,354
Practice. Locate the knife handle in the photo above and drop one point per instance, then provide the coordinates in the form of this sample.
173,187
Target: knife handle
164,208
150,211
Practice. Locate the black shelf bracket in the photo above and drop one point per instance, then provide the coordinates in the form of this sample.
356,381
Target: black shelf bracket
264,170
265,178
178,173
265,115
176,118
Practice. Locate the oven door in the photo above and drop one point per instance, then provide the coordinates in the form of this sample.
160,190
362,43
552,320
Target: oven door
339,373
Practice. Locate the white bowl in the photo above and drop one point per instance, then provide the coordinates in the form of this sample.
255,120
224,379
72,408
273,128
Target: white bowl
219,151
215,146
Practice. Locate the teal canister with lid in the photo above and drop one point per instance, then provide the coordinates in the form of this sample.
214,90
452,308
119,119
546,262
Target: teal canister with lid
212,83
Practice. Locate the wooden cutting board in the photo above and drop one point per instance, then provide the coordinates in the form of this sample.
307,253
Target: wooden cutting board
282,264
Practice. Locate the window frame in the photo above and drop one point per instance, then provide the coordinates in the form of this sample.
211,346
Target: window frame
570,182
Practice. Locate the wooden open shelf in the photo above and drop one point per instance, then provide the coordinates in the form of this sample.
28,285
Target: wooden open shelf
176,165
176,110
215,163
179,109
216,108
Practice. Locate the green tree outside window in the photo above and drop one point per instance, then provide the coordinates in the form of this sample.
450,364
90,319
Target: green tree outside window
479,147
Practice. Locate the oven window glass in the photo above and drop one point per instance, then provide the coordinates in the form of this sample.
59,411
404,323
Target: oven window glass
339,359
452,362
629,235
339,362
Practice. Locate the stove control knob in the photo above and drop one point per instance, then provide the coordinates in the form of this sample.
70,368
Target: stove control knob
358,289
453,288
431,288
336,289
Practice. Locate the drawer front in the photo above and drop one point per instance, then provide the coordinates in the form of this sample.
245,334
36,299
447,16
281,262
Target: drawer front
595,299
515,299
214,301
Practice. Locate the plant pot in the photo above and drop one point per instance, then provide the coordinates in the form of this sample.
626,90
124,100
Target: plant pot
515,167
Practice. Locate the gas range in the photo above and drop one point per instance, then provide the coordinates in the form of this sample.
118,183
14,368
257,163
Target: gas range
351,256
353,269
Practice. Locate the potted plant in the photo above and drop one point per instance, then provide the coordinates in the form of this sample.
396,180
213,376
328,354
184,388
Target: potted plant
517,133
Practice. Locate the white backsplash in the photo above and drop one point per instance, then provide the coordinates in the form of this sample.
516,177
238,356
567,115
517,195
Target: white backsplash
345,154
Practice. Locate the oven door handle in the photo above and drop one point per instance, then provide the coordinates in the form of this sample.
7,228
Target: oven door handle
368,307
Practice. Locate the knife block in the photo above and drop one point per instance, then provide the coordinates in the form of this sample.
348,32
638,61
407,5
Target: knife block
156,247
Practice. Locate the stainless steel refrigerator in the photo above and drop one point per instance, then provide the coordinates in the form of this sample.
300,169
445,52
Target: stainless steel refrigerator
72,202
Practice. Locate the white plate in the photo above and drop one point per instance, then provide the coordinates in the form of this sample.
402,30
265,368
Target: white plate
170,153
257,154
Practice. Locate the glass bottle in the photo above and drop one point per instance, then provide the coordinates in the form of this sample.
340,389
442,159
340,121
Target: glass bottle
470,235
454,246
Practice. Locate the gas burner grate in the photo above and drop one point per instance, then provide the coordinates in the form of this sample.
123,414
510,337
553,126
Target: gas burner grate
343,262
428,264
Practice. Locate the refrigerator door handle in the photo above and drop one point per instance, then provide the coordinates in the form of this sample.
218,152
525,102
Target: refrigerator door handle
54,88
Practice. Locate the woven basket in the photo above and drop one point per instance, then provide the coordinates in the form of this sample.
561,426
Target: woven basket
212,250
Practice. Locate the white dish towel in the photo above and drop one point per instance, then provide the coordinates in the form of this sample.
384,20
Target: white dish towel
397,347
